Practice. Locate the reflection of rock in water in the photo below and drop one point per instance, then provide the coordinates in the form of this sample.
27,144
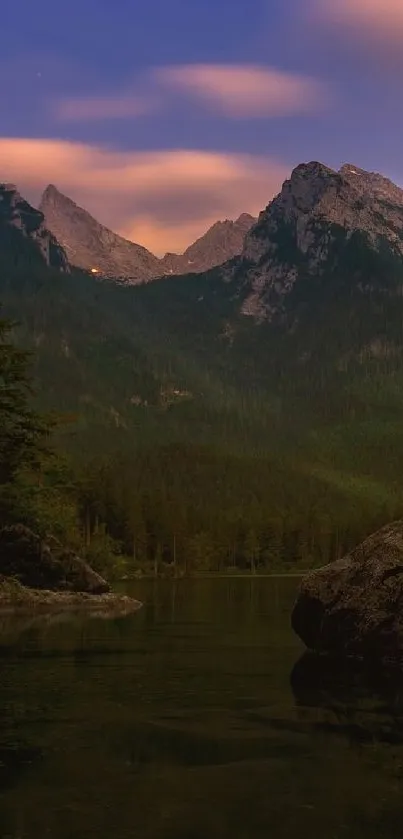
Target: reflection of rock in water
105,608
16,624
351,697
15,758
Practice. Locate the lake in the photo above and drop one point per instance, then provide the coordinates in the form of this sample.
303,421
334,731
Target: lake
194,718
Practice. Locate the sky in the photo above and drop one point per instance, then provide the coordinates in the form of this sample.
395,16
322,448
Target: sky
162,116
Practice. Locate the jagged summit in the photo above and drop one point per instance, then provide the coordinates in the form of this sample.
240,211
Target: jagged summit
245,219
23,233
297,233
52,193
51,189
8,187
222,241
91,245
304,226
352,169
373,183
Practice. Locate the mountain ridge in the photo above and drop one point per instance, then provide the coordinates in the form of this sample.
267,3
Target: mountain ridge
92,246
224,241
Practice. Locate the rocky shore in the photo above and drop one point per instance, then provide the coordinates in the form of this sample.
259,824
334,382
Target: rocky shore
354,606
14,597
43,576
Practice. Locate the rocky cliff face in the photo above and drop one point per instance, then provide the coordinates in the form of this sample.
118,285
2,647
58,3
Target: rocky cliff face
90,245
304,229
23,234
223,241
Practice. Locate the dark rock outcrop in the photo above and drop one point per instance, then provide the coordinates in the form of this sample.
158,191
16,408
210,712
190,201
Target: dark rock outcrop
354,606
45,565
23,234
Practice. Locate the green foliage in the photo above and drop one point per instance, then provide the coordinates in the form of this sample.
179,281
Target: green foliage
46,501
197,441
22,431
104,555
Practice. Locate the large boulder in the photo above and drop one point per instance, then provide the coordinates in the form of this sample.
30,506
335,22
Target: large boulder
45,564
354,606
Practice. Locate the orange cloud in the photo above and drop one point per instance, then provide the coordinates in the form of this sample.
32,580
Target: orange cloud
164,236
98,108
380,21
245,90
162,199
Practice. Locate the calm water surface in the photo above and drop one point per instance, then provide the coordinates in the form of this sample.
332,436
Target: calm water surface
193,719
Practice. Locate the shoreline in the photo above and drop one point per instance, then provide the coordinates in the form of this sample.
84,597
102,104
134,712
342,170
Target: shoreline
16,598
274,575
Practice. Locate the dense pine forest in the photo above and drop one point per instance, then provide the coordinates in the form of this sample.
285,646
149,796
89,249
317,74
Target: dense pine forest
157,430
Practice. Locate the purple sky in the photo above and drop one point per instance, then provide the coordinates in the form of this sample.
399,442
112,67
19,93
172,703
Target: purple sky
161,116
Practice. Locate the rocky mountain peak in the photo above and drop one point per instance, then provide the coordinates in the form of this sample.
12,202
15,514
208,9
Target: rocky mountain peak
351,169
245,219
52,193
5,187
93,246
372,183
296,233
51,188
222,241
308,183
23,230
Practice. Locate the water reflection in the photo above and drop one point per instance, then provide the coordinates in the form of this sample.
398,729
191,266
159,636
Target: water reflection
180,722
358,699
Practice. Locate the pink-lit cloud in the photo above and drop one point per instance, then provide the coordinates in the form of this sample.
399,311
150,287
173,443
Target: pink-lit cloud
166,235
379,22
162,199
238,90
233,90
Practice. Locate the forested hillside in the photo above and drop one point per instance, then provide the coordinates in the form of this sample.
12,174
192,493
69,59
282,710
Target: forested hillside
191,437
199,437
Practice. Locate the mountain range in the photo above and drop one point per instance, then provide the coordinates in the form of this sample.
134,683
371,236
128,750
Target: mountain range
278,373
304,229
298,338
91,245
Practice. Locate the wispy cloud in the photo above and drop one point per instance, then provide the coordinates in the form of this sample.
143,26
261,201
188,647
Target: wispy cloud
238,90
104,108
379,22
162,199
232,90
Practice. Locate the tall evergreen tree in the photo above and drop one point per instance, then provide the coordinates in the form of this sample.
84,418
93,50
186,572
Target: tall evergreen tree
23,432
